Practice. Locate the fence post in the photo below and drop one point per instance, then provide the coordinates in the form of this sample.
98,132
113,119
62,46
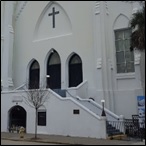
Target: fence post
103,127
121,119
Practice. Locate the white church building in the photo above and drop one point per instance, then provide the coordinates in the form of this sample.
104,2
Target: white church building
84,48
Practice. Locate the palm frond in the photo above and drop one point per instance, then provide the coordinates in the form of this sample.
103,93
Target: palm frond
137,23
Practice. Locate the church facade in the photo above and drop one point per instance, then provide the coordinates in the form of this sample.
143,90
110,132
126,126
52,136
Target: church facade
80,52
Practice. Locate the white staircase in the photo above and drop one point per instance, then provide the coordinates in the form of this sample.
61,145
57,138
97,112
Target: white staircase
114,123
95,107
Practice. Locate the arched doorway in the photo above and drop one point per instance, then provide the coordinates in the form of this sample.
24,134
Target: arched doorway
34,75
75,71
17,117
54,71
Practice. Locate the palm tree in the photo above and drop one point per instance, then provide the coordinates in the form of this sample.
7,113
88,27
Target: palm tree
137,24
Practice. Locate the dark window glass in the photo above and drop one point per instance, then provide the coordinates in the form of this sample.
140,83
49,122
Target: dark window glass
41,118
34,75
76,111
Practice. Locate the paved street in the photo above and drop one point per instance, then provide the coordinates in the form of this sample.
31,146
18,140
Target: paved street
10,142
14,139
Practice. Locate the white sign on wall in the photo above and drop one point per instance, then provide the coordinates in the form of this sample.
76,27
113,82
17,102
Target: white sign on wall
17,99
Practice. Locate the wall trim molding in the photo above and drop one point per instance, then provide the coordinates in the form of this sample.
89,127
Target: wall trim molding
11,29
19,8
2,37
97,7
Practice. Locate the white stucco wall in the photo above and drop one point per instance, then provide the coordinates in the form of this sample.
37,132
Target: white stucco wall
121,87
7,99
90,34
78,41
66,123
60,118
99,83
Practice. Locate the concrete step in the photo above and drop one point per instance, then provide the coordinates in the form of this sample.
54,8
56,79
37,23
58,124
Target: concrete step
117,137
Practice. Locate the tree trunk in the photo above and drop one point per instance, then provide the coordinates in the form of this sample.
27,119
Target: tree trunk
142,70
36,124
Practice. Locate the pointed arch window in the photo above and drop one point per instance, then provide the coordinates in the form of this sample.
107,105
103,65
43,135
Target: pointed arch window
75,59
54,71
75,71
34,75
54,59
124,57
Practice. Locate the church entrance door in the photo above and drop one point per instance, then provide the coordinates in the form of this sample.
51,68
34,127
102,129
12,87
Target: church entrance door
17,117
75,71
54,71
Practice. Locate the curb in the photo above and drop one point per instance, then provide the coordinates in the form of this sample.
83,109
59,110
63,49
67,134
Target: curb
40,141
60,143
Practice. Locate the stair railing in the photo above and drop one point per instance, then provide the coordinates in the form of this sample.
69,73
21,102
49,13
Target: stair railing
80,90
110,115
19,88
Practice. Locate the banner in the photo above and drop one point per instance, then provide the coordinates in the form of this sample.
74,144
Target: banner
141,110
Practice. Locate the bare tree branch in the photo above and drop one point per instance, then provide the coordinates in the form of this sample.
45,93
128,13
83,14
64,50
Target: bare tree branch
35,97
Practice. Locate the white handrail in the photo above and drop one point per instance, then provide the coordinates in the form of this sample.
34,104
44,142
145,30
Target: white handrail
20,86
79,86
100,107
74,101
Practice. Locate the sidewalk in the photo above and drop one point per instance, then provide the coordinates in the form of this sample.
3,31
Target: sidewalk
64,140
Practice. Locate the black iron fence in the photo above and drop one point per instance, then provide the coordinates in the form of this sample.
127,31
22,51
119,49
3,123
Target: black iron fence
130,127
134,129
114,127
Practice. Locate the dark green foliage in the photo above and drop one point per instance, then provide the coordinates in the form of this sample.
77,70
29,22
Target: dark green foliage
137,24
